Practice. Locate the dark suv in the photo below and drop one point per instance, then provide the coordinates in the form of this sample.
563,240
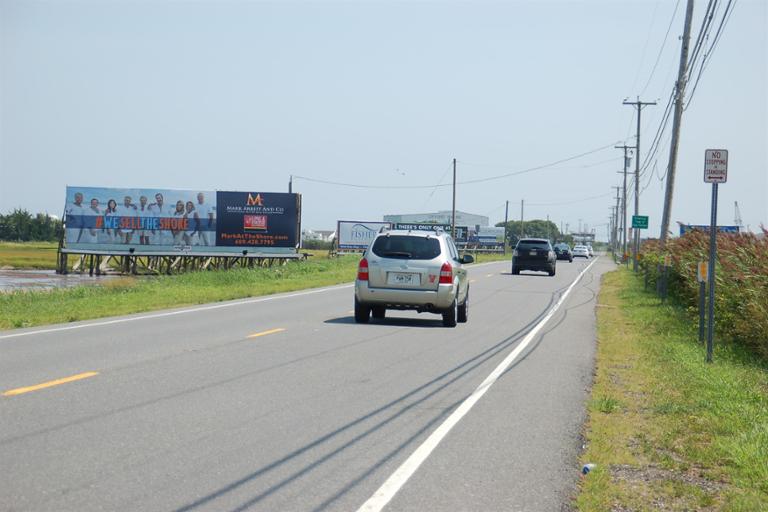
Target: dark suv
534,254
563,252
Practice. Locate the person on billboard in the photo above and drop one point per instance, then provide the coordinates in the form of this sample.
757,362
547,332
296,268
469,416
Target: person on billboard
74,218
110,212
128,209
206,214
160,210
143,211
91,234
193,224
176,230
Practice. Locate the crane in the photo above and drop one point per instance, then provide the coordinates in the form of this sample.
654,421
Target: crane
737,215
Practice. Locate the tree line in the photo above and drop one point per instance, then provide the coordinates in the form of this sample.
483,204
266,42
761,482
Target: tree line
21,226
534,229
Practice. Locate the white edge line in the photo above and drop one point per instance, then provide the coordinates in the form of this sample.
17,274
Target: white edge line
195,309
392,485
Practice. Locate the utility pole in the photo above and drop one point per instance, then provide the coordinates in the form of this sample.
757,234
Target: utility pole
682,78
290,184
639,105
506,220
522,222
623,228
611,233
615,225
548,235
453,214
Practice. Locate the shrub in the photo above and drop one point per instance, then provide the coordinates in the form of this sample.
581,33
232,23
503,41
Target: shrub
741,281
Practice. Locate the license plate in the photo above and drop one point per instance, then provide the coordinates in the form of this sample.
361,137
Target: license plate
533,253
401,278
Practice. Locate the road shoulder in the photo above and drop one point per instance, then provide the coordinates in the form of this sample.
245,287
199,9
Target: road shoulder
666,430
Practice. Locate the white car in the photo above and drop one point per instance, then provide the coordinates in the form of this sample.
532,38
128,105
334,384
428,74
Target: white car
580,251
591,252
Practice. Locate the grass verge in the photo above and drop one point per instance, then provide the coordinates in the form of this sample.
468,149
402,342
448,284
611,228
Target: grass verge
28,255
126,295
667,430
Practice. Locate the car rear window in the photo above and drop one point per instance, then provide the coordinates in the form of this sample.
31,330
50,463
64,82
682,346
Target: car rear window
541,246
406,247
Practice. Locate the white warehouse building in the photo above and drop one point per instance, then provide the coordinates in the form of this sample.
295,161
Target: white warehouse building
441,217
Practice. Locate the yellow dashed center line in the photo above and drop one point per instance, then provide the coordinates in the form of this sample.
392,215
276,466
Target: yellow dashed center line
49,384
472,280
489,275
264,333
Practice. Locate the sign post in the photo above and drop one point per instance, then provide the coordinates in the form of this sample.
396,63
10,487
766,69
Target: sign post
638,222
715,172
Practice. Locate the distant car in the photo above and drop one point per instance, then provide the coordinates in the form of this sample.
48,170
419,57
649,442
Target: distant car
563,252
589,249
580,251
534,254
412,270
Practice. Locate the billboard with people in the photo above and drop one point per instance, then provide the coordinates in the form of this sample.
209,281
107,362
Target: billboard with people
163,220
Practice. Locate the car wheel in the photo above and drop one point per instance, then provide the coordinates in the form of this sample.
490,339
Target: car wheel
449,316
515,271
570,260
552,270
362,312
463,311
378,312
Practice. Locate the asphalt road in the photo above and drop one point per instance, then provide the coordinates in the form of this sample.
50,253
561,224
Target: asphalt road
284,403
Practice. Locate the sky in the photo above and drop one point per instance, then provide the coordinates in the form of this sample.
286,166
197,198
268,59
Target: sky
380,97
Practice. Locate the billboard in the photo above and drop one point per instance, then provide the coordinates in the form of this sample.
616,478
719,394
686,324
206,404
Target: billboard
461,231
684,228
167,221
264,219
356,235
490,235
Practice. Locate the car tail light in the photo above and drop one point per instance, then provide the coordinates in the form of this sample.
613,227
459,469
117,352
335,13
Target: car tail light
362,270
446,273
515,253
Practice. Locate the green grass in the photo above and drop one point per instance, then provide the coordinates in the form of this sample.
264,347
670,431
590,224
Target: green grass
28,255
667,430
125,295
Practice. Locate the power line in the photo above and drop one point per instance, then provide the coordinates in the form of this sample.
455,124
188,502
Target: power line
447,170
572,201
659,133
661,50
708,54
706,21
645,47
467,182
506,166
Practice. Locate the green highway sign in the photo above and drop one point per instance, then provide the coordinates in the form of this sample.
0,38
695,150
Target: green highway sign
640,222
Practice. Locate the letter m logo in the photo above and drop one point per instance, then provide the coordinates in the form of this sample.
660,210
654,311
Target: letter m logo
255,201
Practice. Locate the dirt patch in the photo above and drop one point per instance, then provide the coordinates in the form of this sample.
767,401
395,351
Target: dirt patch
652,474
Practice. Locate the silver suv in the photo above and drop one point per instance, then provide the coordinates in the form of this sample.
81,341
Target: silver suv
417,270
